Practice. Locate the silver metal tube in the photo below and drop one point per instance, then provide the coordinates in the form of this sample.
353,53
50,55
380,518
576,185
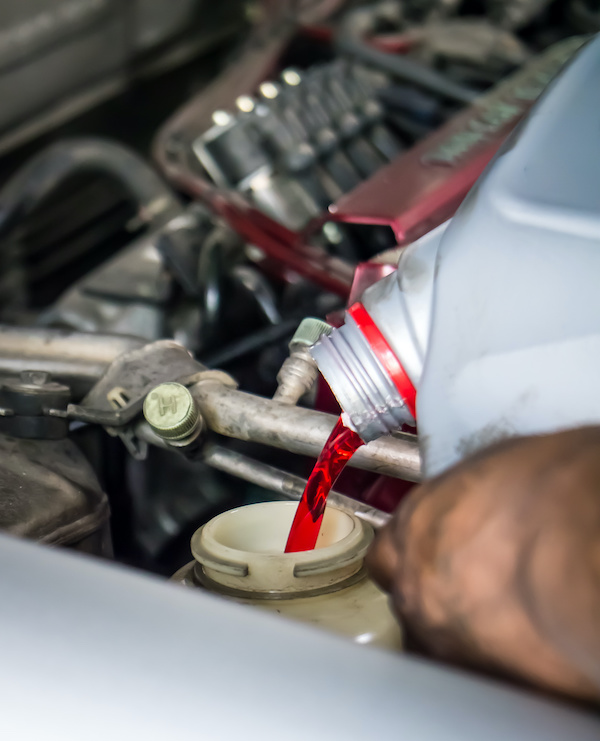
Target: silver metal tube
75,358
243,416
295,378
286,484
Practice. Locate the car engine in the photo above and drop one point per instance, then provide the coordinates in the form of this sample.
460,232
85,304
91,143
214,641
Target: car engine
182,184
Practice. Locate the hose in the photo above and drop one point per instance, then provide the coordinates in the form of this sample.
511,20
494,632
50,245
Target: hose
210,278
39,177
250,343
405,69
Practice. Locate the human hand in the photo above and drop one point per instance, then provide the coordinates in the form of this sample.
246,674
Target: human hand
496,563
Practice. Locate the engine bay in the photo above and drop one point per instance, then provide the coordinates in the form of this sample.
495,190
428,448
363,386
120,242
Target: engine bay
186,192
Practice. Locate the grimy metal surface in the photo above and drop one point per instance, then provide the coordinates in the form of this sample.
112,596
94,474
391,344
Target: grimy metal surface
243,416
77,359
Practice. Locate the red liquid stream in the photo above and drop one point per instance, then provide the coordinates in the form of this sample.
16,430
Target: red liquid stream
339,448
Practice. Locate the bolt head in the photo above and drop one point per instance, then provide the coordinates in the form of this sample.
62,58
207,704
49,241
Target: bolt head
171,411
245,104
269,90
291,77
222,118
35,378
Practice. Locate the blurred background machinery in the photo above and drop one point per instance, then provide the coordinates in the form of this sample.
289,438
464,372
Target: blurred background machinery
212,173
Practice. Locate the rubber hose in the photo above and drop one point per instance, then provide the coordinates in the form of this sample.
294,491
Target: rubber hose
44,172
405,69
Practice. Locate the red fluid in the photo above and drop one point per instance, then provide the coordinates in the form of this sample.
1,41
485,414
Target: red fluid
339,448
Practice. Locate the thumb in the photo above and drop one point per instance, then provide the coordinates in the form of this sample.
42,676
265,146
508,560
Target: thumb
382,559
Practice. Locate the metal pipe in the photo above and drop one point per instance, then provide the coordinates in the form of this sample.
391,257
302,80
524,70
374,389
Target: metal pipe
296,377
75,358
243,416
286,484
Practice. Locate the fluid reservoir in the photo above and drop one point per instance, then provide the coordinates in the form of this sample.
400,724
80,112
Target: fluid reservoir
491,326
239,554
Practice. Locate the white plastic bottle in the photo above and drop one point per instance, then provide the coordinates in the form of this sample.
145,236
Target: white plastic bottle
240,554
491,326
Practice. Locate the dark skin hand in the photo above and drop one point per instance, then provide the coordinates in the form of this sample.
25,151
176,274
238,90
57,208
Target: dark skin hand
496,563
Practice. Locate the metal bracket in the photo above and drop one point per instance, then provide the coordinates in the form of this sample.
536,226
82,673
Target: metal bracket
118,397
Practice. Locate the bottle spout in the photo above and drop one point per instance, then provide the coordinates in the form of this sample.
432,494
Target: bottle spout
365,376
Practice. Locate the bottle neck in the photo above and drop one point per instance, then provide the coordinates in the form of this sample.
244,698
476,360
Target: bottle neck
241,552
366,376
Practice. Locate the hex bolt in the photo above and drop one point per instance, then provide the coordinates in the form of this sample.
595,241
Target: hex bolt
34,378
172,413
